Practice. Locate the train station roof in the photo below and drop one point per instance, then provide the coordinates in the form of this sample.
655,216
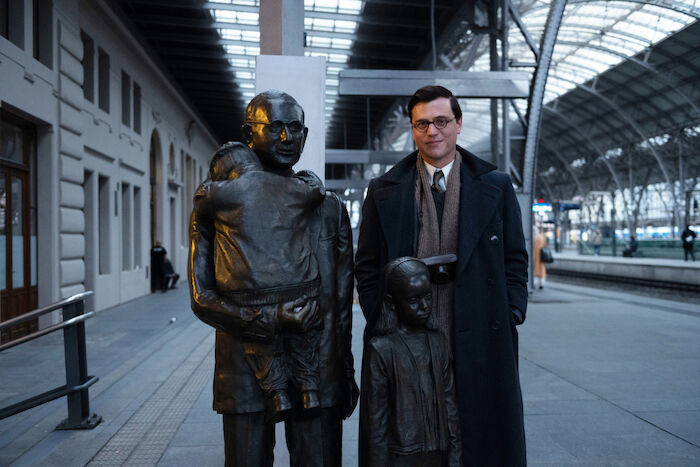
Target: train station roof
623,71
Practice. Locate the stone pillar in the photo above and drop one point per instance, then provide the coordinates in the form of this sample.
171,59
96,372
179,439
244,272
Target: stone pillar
304,78
283,66
71,197
282,27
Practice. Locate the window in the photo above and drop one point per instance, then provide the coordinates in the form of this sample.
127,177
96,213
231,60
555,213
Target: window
103,223
126,226
42,24
12,21
103,79
88,66
137,227
4,17
126,99
137,108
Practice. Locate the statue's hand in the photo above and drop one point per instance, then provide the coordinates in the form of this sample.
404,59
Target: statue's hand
298,316
259,323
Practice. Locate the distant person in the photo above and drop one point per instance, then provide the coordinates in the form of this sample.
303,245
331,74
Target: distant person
688,238
3,202
631,248
539,268
158,254
597,240
170,277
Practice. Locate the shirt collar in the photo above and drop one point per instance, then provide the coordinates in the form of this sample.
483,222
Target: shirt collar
445,170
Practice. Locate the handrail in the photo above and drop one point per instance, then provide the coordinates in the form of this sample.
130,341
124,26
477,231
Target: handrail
77,379
46,309
48,330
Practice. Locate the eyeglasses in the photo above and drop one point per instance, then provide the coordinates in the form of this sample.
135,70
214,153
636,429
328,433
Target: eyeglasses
278,126
440,123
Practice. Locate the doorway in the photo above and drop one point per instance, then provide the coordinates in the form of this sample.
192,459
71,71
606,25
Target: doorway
18,232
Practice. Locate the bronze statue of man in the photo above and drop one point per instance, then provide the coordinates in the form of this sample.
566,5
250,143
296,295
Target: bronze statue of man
274,130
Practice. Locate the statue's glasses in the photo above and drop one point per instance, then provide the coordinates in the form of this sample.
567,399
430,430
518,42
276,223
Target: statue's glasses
440,123
279,126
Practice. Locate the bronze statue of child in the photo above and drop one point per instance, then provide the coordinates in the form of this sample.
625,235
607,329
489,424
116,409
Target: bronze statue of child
263,256
408,411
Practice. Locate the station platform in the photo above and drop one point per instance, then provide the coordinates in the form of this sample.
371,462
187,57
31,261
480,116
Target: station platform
664,272
608,378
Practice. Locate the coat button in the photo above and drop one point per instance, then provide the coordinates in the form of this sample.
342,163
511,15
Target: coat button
490,281
496,325
494,238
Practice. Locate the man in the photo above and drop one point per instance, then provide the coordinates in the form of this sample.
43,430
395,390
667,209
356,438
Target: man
158,253
439,200
274,130
688,238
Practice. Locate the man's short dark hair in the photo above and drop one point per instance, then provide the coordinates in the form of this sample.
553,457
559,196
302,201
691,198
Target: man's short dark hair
430,93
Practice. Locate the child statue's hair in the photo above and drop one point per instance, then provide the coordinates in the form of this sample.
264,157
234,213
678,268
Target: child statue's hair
232,160
394,274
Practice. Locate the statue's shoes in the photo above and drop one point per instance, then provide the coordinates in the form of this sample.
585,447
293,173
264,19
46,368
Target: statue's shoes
277,407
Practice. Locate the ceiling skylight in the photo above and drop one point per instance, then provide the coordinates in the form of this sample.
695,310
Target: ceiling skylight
330,27
594,36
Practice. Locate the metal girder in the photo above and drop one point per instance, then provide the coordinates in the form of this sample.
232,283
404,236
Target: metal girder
534,112
567,167
362,156
610,30
638,130
667,4
601,155
657,110
523,30
342,184
505,84
600,48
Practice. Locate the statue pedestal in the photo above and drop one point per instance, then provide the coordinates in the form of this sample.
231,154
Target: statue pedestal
304,78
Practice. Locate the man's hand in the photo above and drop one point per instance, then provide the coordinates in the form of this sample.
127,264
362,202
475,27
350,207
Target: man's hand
298,316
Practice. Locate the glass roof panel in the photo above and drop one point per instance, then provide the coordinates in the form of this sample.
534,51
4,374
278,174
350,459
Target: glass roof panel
593,37
329,34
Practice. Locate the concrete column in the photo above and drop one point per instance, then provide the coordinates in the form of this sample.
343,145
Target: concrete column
282,27
283,66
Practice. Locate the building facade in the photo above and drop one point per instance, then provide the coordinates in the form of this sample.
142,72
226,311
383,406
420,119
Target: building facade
99,157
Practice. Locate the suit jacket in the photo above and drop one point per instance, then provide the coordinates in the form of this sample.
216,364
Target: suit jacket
490,281
235,388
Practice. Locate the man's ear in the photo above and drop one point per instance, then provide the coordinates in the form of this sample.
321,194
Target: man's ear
303,143
247,133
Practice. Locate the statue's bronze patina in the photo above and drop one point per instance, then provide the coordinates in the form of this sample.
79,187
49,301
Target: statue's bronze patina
409,413
270,267
263,256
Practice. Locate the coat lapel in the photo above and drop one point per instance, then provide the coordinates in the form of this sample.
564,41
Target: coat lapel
477,203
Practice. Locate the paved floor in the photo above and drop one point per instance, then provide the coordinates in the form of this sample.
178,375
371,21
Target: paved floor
608,378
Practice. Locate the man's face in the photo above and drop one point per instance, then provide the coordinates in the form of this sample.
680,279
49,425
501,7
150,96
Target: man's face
277,145
413,299
437,147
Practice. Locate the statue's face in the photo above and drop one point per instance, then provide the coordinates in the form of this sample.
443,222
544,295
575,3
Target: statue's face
276,133
413,298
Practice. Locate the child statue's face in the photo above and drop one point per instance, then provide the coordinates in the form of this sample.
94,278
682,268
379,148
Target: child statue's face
413,299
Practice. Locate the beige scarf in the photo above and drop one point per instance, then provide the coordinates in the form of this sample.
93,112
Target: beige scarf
432,242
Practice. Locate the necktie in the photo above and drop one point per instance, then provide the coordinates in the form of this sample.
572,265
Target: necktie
438,196
437,178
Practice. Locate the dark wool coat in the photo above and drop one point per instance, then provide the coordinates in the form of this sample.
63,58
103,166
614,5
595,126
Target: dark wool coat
490,281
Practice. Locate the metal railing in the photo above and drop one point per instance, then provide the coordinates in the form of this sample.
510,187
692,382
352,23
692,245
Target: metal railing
77,379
